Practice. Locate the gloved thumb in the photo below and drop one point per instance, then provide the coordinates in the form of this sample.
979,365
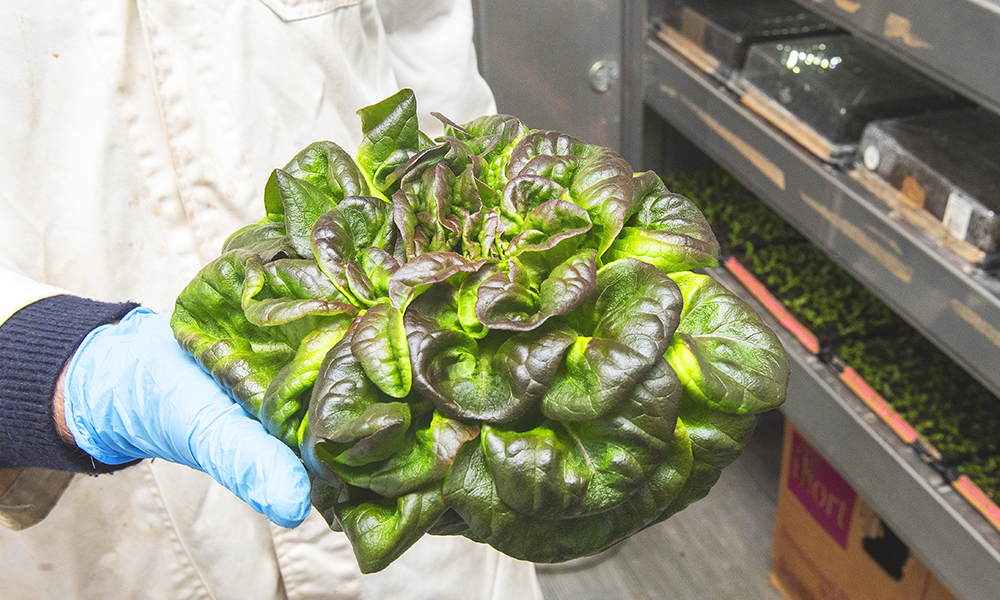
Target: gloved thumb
132,392
262,471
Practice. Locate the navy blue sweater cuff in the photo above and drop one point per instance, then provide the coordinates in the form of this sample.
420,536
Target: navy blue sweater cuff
35,344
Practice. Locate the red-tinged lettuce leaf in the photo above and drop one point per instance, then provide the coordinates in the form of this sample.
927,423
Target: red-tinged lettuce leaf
465,301
342,235
469,153
562,470
379,266
429,212
287,319
552,233
374,436
495,378
520,306
413,169
556,219
379,344
602,185
346,410
594,376
416,276
725,355
477,222
466,153
524,194
370,441
494,138
560,169
550,143
368,277
293,311
470,491
480,235
595,178
666,230
362,289
427,452
503,130
636,305
442,212
624,326
374,458
416,210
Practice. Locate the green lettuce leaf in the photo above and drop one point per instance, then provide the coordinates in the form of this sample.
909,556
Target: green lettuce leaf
627,324
392,140
471,492
725,355
381,529
562,470
379,343
666,230
209,323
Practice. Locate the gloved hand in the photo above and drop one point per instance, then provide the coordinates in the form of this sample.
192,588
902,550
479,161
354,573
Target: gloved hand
131,391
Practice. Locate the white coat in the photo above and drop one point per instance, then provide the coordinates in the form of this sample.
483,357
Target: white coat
136,135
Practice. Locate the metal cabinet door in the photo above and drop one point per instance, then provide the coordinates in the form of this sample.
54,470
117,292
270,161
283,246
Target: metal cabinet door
555,64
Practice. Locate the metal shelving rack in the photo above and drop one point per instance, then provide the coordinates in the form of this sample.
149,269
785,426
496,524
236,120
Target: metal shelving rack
953,41
951,302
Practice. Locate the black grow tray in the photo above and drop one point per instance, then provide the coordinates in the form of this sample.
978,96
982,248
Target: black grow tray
947,163
823,90
724,30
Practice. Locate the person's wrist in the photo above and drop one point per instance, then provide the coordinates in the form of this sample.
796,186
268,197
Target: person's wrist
59,411
59,402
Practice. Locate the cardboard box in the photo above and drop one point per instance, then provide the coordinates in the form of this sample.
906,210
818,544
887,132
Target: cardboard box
830,545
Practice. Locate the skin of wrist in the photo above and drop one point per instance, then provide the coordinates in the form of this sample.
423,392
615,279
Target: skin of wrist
58,412
59,403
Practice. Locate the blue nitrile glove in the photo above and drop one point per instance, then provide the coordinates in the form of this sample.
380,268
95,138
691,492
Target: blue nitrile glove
131,391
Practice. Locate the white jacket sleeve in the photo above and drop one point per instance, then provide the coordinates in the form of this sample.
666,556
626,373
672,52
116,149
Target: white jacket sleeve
19,291
431,52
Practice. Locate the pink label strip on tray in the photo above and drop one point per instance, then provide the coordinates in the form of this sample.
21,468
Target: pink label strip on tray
773,306
977,498
879,405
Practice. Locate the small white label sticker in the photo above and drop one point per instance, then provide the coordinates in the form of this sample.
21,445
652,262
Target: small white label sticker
872,158
958,214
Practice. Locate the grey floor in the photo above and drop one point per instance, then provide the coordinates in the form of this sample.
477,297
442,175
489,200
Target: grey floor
719,548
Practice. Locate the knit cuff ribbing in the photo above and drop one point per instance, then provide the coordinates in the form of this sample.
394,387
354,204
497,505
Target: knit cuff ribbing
35,344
